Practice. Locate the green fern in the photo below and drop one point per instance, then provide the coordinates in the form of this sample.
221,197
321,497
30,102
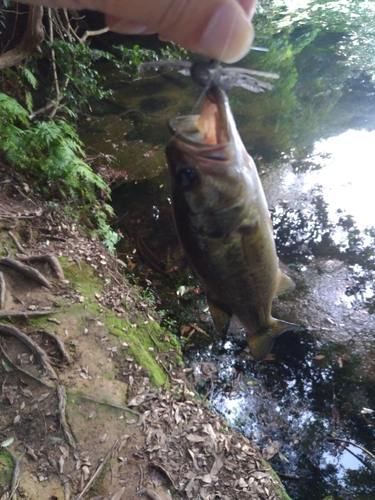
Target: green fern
53,153
29,77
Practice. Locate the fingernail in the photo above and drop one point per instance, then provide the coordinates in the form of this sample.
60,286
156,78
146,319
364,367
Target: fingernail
228,36
130,28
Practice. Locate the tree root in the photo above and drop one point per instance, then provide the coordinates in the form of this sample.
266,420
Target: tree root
24,372
28,271
110,404
97,472
2,290
17,243
33,346
59,343
25,314
16,473
61,396
49,259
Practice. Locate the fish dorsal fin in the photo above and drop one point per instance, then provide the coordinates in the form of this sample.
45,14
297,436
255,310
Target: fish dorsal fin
261,344
221,316
285,285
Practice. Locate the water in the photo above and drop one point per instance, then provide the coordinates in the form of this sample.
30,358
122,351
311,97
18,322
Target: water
313,140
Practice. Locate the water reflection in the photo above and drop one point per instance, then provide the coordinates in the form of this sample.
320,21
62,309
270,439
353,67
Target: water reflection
313,140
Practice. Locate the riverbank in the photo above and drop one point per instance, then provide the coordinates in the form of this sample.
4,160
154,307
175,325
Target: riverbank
102,406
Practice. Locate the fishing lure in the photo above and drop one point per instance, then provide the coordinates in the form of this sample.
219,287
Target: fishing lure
211,74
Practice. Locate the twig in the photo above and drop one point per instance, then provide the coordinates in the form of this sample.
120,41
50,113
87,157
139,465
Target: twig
25,314
33,346
59,343
97,472
353,444
61,396
16,472
93,33
49,258
29,271
141,478
2,290
109,404
17,243
24,372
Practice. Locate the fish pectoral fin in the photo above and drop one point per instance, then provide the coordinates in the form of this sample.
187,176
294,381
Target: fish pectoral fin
261,344
285,285
221,316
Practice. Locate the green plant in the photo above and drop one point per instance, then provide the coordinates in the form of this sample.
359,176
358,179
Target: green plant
53,153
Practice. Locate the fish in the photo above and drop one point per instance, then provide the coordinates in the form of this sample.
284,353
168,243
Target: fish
223,222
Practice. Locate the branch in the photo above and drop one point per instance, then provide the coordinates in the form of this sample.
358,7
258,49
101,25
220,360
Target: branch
31,40
93,33
353,444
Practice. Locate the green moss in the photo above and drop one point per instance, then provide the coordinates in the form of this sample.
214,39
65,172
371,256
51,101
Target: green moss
82,277
145,338
6,468
278,490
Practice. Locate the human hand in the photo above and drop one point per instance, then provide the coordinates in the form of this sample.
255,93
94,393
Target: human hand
219,29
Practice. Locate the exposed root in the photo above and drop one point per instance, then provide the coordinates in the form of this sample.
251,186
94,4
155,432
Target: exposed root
33,346
59,343
25,314
17,243
24,372
97,472
2,290
16,473
110,404
61,396
49,259
28,271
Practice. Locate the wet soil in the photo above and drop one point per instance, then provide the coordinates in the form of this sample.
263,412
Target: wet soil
120,419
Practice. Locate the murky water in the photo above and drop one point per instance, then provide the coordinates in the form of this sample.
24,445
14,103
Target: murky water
313,404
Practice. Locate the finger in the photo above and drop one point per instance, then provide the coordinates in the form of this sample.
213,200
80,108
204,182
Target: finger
216,28
249,7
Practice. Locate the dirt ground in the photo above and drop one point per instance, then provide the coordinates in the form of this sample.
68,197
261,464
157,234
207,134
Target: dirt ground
80,415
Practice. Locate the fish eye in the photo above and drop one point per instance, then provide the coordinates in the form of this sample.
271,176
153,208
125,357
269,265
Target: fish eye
187,177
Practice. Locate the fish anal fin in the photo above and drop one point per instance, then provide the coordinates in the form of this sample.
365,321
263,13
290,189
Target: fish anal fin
261,343
285,285
221,316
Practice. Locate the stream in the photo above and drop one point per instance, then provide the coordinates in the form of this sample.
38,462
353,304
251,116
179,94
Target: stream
311,404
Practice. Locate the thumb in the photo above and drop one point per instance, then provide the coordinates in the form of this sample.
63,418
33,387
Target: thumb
219,29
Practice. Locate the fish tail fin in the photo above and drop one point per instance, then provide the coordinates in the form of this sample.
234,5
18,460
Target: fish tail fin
261,343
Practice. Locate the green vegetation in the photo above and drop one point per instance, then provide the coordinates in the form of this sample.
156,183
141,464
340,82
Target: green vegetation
143,338
6,468
45,96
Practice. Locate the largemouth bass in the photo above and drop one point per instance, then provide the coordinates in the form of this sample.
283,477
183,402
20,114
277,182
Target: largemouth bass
223,223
